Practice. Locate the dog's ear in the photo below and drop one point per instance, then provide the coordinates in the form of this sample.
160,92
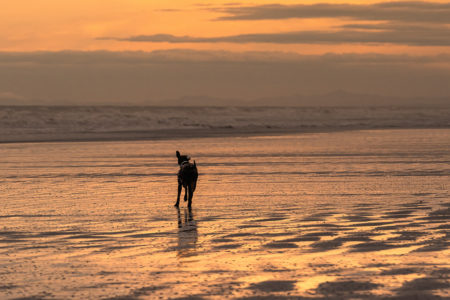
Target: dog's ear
178,154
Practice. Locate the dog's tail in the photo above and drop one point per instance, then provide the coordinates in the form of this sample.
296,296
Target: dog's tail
195,165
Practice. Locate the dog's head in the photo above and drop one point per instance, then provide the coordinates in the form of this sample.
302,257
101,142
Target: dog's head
182,158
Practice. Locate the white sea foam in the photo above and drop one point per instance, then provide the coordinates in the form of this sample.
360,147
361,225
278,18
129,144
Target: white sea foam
64,123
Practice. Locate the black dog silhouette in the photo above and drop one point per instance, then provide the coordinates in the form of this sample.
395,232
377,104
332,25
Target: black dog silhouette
187,178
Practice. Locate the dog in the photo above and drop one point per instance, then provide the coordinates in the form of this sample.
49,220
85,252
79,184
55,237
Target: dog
187,178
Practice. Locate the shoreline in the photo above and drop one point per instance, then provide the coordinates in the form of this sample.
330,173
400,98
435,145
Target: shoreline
176,134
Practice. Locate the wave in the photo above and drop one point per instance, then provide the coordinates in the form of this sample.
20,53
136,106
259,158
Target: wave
18,123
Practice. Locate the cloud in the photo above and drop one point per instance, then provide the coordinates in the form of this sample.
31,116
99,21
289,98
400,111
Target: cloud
413,23
410,11
102,77
349,34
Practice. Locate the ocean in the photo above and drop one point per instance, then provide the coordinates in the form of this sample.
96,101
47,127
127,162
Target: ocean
82,123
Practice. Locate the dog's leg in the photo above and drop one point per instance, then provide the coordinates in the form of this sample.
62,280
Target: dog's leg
179,193
185,194
191,194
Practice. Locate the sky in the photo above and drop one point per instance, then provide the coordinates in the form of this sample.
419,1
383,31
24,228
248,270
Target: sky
148,51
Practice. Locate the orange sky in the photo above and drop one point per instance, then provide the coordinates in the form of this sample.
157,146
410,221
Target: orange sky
53,25
250,50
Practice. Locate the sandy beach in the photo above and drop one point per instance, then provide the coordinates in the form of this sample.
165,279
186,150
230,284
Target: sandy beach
318,132
331,215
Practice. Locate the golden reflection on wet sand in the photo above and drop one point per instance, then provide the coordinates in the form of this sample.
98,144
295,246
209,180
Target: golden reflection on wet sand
187,233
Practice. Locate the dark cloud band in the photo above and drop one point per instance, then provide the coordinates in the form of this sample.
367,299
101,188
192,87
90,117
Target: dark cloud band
363,34
415,11
71,77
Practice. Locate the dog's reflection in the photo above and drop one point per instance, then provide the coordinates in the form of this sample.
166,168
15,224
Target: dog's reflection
187,233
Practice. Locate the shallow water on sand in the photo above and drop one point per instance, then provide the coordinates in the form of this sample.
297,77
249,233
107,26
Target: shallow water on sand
359,214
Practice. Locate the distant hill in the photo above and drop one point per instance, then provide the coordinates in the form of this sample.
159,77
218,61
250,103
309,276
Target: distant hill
343,98
201,101
336,98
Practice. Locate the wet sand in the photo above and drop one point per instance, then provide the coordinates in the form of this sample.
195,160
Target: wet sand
343,215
